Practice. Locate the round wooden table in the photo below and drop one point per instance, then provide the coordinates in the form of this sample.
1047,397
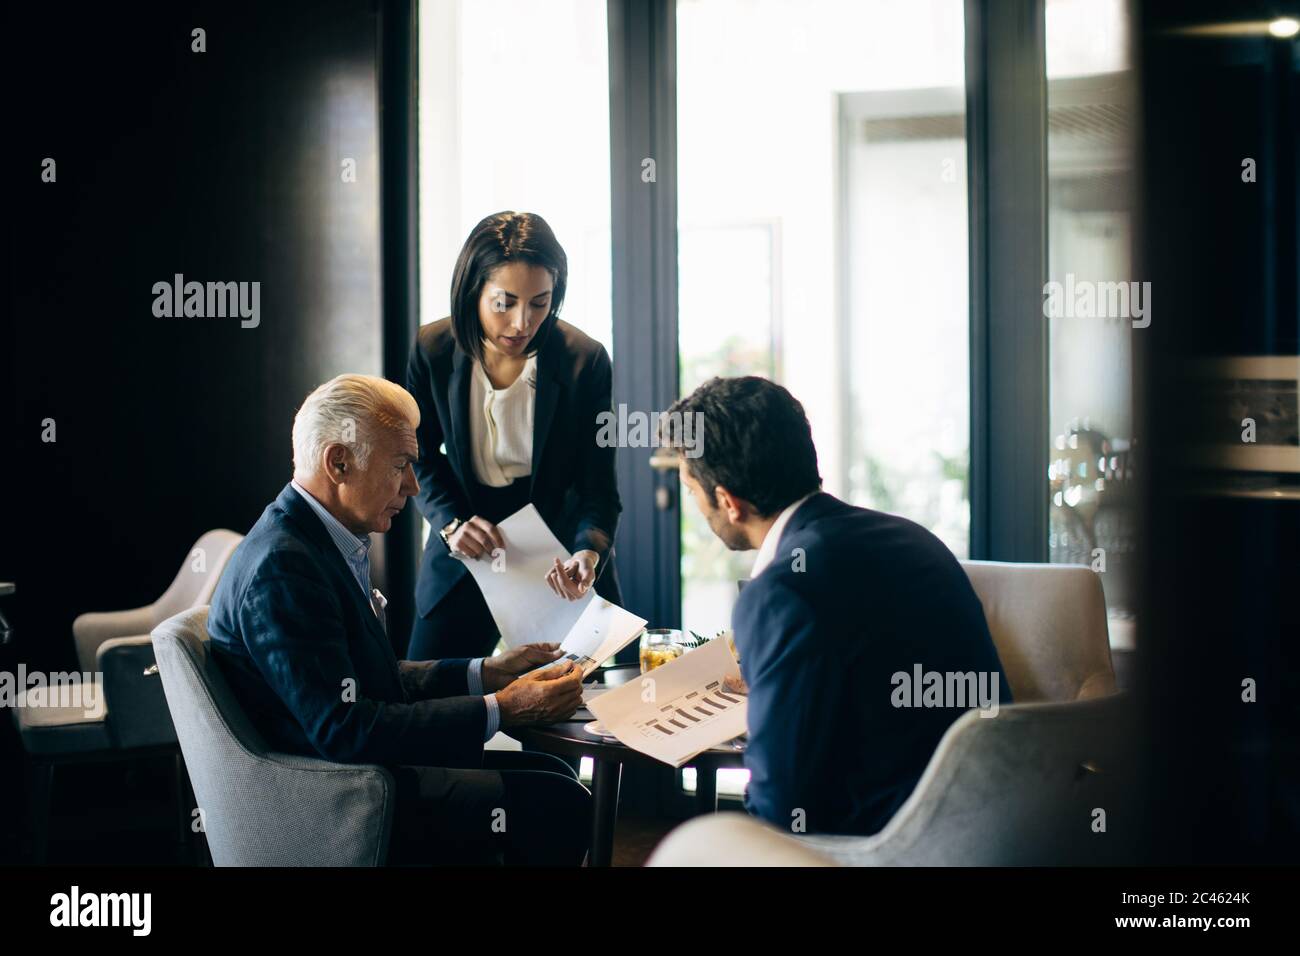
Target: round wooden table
568,739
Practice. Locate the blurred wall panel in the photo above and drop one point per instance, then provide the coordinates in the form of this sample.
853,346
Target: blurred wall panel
228,165
1218,617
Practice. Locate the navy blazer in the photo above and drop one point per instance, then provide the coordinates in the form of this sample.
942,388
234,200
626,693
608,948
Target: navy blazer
573,482
852,597
290,627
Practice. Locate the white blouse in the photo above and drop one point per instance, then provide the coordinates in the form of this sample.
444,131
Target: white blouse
501,425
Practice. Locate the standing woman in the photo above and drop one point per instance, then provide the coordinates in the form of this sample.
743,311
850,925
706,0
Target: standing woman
508,397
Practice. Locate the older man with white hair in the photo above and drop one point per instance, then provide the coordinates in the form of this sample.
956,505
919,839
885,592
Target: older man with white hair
298,631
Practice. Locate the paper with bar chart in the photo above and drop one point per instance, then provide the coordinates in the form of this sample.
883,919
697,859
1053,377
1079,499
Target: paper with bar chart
678,710
525,609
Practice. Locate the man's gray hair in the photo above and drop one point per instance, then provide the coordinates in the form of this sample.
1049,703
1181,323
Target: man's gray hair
349,410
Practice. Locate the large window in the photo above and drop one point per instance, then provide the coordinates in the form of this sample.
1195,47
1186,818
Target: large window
822,242
822,231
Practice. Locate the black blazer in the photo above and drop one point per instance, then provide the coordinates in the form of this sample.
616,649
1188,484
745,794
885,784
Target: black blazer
289,625
852,597
573,483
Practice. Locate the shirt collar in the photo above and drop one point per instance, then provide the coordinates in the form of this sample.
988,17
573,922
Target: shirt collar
481,375
351,546
767,550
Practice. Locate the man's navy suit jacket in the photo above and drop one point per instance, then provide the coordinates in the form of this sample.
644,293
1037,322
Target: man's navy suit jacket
852,597
309,661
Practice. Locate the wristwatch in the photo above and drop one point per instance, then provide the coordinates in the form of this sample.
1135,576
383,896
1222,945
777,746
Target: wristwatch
448,530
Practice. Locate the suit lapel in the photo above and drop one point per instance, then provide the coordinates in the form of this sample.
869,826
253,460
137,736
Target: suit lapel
548,394
375,625
458,400
302,515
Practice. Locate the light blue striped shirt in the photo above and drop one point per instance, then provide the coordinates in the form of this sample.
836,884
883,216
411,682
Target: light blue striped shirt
356,552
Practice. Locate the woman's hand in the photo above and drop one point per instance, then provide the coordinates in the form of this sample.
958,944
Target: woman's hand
476,538
571,579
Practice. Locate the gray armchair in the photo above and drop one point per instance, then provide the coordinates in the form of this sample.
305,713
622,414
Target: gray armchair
261,808
193,586
1048,623
120,712
1020,789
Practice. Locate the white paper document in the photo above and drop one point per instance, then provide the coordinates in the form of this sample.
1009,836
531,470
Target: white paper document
603,630
526,611
678,710
524,607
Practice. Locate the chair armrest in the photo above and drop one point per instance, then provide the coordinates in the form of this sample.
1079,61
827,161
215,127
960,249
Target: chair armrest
92,629
133,693
733,839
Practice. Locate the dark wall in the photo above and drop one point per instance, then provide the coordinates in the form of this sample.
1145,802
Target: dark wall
1222,569
224,166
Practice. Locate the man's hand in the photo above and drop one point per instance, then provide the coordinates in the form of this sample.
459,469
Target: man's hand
542,698
571,579
476,538
735,685
501,670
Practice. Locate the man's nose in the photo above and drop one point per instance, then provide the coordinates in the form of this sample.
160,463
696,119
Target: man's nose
410,484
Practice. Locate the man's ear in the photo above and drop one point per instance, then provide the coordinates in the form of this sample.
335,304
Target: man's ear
336,461
732,506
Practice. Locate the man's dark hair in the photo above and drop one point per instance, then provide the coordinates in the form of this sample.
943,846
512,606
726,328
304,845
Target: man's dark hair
500,238
754,440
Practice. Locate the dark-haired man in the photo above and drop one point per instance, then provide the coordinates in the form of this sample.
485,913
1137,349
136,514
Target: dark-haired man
841,600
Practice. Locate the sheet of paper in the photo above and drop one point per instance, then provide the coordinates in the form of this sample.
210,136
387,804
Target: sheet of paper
525,609
603,630
678,710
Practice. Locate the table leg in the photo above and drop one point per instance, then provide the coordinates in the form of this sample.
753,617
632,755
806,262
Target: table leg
706,791
605,778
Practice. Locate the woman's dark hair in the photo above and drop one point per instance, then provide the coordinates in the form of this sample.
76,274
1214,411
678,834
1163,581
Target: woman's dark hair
750,436
501,238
